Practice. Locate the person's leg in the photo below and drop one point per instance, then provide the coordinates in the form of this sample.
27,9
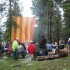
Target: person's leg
69,49
43,52
16,54
9,54
0,51
23,53
46,52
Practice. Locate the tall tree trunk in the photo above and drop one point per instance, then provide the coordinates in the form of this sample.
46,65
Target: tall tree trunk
10,18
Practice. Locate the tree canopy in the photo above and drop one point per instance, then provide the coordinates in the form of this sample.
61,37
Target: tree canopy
50,23
49,15
14,11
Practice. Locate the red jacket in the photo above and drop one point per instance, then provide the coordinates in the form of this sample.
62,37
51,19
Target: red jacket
31,48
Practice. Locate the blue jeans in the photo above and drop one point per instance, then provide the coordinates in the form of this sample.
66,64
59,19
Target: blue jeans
1,51
23,53
43,52
15,54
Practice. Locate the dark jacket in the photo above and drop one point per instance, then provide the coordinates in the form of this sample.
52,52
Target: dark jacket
43,44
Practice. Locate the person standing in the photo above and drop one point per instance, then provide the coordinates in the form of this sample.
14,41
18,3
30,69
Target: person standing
68,45
1,48
31,50
42,45
10,48
22,49
15,45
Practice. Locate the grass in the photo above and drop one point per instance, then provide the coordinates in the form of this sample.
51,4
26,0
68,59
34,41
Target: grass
56,64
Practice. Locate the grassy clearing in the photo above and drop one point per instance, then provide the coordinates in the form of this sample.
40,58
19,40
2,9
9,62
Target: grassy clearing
56,64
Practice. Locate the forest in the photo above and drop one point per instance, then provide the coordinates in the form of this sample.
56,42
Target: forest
51,23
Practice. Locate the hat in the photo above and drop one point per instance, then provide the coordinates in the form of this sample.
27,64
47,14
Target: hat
31,41
17,38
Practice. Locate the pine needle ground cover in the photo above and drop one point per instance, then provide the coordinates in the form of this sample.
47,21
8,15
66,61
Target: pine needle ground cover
56,64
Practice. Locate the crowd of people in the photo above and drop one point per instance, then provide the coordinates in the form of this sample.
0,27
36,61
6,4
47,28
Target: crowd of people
15,48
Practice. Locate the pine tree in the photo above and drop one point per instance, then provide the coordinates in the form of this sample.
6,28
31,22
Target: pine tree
14,11
66,7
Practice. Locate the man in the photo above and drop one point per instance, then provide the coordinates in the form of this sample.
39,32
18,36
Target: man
22,49
31,50
42,45
15,45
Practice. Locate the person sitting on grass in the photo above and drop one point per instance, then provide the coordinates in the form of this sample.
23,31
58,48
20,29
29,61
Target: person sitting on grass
49,47
61,45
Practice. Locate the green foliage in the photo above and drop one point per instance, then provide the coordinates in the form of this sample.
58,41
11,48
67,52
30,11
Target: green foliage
40,11
15,11
57,23
38,8
66,31
2,7
58,1
49,15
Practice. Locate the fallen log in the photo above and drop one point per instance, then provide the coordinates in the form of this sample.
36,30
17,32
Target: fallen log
41,58
58,54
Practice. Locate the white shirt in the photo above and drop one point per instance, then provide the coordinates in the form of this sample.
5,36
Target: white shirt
20,48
